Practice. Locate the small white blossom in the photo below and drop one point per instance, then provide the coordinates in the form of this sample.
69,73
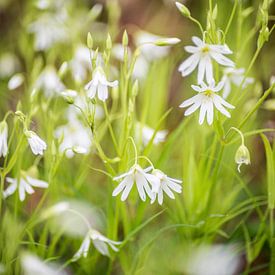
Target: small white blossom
138,176
163,183
32,265
100,242
49,82
16,81
3,138
36,143
147,134
206,99
24,184
202,55
235,76
99,85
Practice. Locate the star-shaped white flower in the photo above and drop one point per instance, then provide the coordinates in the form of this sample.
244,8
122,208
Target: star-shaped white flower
202,56
235,76
100,242
99,85
165,184
37,144
24,184
206,99
138,176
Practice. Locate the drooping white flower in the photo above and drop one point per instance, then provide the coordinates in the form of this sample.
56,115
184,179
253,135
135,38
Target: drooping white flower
24,184
48,30
76,138
37,144
235,76
138,176
206,100
148,133
213,260
31,264
3,138
16,81
100,242
99,85
163,183
49,82
242,156
202,56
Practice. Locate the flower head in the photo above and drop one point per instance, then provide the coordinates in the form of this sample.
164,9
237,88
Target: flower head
99,85
3,138
202,56
24,184
138,176
163,183
100,242
242,156
206,99
234,76
36,143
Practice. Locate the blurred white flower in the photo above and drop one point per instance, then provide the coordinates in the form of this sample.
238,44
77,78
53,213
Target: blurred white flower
118,51
202,55
138,176
16,81
76,138
31,265
9,64
24,184
235,76
148,133
48,30
100,242
99,85
37,144
206,99
49,82
163,183
141,67
3,138
213,260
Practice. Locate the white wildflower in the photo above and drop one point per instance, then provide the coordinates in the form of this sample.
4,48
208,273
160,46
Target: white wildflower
138,176
16,81
206,99
9,64
163,183
99,85
24,185
3,138
99,241
202,55
148,133
36,143
235,76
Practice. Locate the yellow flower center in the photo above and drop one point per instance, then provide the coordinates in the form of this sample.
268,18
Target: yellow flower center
205,49
208,93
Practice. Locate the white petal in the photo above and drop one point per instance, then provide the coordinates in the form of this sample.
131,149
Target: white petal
193,108
189,101
202,112
196,88
112,83
122,185
101,247
22,194
102,92
127,189
222,59
174,186
209,70
210,112
219,86
140,181
160,196
189,65
91,92
37,183
167,191
201,70
10,189
191,49
219,106
226,89
197,41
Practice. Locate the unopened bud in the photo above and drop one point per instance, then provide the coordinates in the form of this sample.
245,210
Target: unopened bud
183,9
89,41
109,42
167,41
69,96
125,39
242,156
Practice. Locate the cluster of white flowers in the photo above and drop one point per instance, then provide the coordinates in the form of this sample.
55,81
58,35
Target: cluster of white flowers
202,56
153,185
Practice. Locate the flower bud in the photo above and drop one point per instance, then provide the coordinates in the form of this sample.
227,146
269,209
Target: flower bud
183,9
125,39
63,69
167,41
109,42
242,156
69,96
89,41
20,115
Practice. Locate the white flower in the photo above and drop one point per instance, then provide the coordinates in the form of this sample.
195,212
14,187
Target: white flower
147,134
138,176
16,81
3,138
100,242
49,82
235,76
99,84
206,99
24,184
202,55
31,265
36,143
213,260
9,64
76,138
163,183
